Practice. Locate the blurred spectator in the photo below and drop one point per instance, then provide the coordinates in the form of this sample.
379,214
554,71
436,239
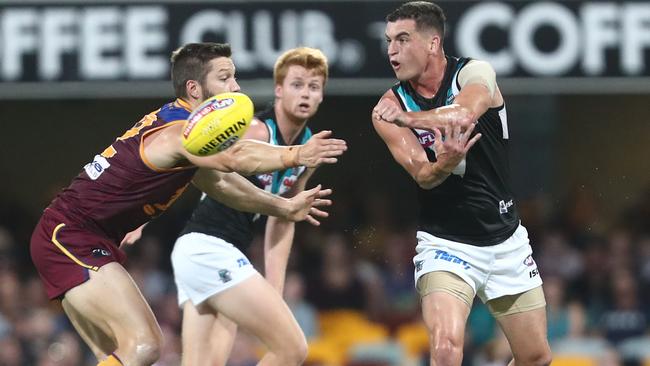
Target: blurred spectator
243,350
625,317
637,217
338,285
170,353
64,350
565,319
11,353
10,297
145,267
610,358
556,257
620,251
304,312
401,303
496,352
591,288
581,215
480,331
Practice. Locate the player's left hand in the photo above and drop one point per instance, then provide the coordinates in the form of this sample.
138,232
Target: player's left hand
321,148
387,110
131,237
453,148
304,205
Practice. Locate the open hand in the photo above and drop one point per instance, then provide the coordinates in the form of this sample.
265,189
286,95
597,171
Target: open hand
321,149
305,205
455,146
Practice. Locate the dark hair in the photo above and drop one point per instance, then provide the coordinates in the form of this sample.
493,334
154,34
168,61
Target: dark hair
191,62
426,15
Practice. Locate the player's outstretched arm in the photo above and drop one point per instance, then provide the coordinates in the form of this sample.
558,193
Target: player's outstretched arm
252,157
165,150
237,192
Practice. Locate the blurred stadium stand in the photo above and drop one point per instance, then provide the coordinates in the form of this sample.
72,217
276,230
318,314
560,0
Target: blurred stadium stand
577,84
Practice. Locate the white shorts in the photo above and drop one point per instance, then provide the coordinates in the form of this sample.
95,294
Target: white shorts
494,271
205,265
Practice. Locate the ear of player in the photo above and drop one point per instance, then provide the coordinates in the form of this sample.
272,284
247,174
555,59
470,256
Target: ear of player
217,123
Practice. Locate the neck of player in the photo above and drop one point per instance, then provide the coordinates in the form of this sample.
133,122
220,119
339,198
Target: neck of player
428,82
288,124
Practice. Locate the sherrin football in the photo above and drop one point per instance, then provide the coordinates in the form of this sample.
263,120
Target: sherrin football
217,123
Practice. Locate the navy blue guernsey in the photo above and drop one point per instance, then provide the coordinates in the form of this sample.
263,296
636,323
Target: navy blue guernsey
474,205
213,218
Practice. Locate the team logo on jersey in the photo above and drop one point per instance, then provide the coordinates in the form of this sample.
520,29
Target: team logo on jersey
288,182
265,179
97,167
224,275
100,252
425,138
503,206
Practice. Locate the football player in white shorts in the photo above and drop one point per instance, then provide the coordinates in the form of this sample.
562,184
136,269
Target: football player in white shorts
445,122
218,288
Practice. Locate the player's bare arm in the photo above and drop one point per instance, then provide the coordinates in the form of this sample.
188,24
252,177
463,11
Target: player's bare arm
408,152
163,149
237,192
278,239
478,93
251,157
479,90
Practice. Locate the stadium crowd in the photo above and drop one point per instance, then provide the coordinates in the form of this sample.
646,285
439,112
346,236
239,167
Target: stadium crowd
350,285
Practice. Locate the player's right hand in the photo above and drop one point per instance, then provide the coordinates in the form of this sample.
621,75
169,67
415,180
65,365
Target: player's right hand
320,149
305,205
451,149
387,110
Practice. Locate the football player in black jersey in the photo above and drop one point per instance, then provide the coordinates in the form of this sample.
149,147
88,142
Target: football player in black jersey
445,122
218,287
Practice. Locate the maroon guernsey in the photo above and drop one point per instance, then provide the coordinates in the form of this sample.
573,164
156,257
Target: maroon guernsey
120,190
114,194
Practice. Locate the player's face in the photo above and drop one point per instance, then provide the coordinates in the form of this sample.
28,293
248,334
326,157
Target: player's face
408,49
220,78
300,93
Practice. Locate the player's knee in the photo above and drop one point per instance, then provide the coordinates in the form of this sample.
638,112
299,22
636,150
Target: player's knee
295,351
301,351
147,349
539,358
447,350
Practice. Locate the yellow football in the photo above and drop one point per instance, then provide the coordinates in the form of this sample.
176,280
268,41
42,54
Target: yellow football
217,123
